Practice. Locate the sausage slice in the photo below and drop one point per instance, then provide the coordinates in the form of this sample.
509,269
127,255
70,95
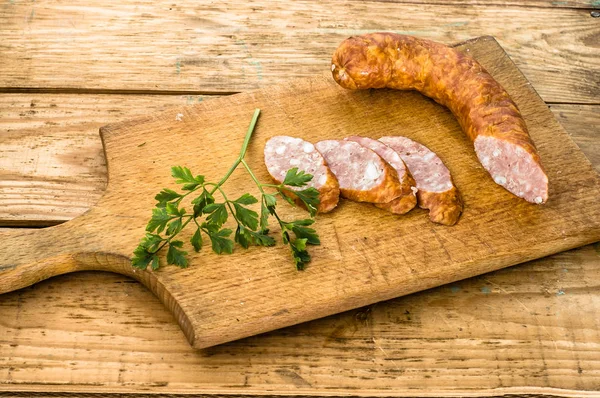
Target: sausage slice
407,200
362,174
436,191
283,153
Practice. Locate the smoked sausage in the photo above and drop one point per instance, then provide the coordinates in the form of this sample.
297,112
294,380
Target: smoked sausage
482,107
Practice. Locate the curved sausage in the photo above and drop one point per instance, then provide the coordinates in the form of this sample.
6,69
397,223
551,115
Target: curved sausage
436,191
283,153
363,176
483,108
407,200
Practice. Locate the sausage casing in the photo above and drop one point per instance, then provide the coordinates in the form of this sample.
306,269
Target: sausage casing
482,107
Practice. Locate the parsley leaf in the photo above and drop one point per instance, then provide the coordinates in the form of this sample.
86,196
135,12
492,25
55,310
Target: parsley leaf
151,241
264,216
304,236
176,256
174,226
270,202
159,220
155,262
246,237
183,175
300,254
164,196
298,249
310,198
295,178
141,258
267,206
242,237
262,239
173,210
246,199
201,201
217,213
196,240
299,229
247,217
287,198
145,253
219,241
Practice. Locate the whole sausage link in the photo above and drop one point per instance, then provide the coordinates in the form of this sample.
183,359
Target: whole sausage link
482,107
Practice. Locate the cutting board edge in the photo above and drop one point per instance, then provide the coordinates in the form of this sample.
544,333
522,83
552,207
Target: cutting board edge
572,242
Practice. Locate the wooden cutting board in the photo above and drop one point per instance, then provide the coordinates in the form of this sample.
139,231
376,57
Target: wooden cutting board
367,255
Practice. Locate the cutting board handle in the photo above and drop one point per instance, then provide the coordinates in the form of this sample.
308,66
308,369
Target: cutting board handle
30,256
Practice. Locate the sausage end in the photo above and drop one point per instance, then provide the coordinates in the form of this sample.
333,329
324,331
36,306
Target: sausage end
513,166
444,207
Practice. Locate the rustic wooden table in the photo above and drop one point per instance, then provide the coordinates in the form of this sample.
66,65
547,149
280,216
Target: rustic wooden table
67,68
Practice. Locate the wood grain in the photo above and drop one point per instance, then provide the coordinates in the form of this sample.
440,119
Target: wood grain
505,3
582,122
223,46
346,271
52,166
531,329
65,341
36,140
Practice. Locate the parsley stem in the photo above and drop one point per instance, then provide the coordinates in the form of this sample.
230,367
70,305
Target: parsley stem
228,204
249,134
258,184
232,213
168,240
240,158
229,173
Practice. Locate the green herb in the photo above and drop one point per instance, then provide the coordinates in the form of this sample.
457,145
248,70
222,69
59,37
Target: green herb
208,216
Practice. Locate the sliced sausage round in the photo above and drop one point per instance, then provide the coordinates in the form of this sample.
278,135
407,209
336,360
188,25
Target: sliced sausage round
407,200
436,191
283,153
362,174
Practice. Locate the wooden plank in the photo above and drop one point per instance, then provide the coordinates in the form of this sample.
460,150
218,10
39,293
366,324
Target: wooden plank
592,4
35,139
582,122
52,166
531,329
236,300
224,46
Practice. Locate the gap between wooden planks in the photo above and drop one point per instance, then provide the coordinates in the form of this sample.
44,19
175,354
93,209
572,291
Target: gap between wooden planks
52,167
236,46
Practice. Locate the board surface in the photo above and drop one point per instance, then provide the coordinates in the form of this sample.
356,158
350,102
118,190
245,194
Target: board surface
366,255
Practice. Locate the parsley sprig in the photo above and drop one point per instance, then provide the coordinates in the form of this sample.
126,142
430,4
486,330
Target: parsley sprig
208,216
